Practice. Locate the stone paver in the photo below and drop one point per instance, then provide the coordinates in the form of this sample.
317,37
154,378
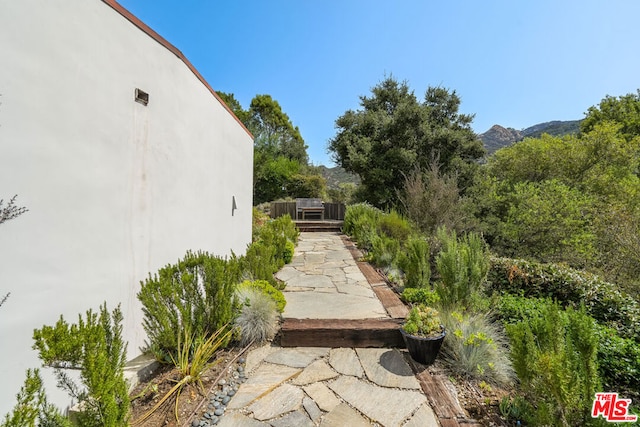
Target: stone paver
264,379
346,362
283,399
387,406
315,372
293,419
424,417
299,357
310,386
323,396
387,368
343,416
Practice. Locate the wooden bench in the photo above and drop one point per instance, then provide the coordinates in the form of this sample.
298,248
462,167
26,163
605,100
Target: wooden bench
305,206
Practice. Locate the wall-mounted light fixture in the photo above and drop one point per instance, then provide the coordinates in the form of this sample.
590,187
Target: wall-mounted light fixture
233,205
142,97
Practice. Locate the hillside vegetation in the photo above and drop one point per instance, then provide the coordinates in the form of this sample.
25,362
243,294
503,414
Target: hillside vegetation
542,238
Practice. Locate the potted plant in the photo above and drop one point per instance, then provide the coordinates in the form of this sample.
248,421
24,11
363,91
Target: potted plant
423,334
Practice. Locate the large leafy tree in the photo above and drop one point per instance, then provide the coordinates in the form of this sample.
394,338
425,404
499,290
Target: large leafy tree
624,110
280,161
393,134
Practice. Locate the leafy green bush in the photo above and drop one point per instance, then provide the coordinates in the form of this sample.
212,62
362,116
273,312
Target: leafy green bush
195,294
266,288
289,249
258,318
619,363
462,264
384,252
414,262
618,358
603,300
555,356
260,262
273,247
420,296
95,346
395,226
361,223
32,406
476,347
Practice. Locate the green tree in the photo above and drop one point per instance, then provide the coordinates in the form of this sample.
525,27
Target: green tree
393,133
280,160
274,131
624,110
231,101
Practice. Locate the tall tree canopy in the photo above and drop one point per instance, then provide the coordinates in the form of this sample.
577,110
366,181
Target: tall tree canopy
623,110
280,160
394,133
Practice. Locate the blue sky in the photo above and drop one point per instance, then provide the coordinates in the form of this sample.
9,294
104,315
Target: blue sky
513,63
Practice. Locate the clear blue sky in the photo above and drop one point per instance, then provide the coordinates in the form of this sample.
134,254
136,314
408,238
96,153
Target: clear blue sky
513,63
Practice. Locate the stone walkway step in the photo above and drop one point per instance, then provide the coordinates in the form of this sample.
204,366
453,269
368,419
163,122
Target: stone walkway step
319,225
341,333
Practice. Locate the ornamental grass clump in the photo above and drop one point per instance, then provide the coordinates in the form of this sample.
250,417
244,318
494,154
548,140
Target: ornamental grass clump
194,357
258,318
476,347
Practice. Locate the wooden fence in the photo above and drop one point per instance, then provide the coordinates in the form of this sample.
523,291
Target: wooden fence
332,211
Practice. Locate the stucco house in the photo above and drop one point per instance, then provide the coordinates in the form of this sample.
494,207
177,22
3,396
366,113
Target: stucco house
125,157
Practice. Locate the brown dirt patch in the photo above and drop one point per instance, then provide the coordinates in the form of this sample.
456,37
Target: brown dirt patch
146,395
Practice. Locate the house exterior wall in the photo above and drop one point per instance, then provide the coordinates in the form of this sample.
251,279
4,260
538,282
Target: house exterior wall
115,189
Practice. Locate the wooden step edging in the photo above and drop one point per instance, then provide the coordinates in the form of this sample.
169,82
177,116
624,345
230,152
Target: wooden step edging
341,333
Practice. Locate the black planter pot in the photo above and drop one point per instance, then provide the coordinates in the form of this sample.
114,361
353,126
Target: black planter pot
423,350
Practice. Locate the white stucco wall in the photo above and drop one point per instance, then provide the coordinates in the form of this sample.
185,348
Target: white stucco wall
115,189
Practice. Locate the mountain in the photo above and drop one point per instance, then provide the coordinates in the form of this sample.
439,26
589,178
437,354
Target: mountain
336,176
498,137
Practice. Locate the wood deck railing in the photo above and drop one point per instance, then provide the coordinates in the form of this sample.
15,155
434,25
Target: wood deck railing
332,211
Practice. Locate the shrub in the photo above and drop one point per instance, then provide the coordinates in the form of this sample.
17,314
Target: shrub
260,262
94,345
414,262
384,252
554,356
32,406
266,288
603,301
462,264
618,358
196,294
289,249
257,321
420,296
619,363
476,347
272,248
361,223
395,226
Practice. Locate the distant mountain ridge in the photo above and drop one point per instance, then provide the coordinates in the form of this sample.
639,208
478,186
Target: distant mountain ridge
499,137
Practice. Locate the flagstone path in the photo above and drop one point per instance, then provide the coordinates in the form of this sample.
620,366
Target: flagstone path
328,387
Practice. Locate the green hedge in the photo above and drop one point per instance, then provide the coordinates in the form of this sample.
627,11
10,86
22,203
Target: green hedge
603,301
196,294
